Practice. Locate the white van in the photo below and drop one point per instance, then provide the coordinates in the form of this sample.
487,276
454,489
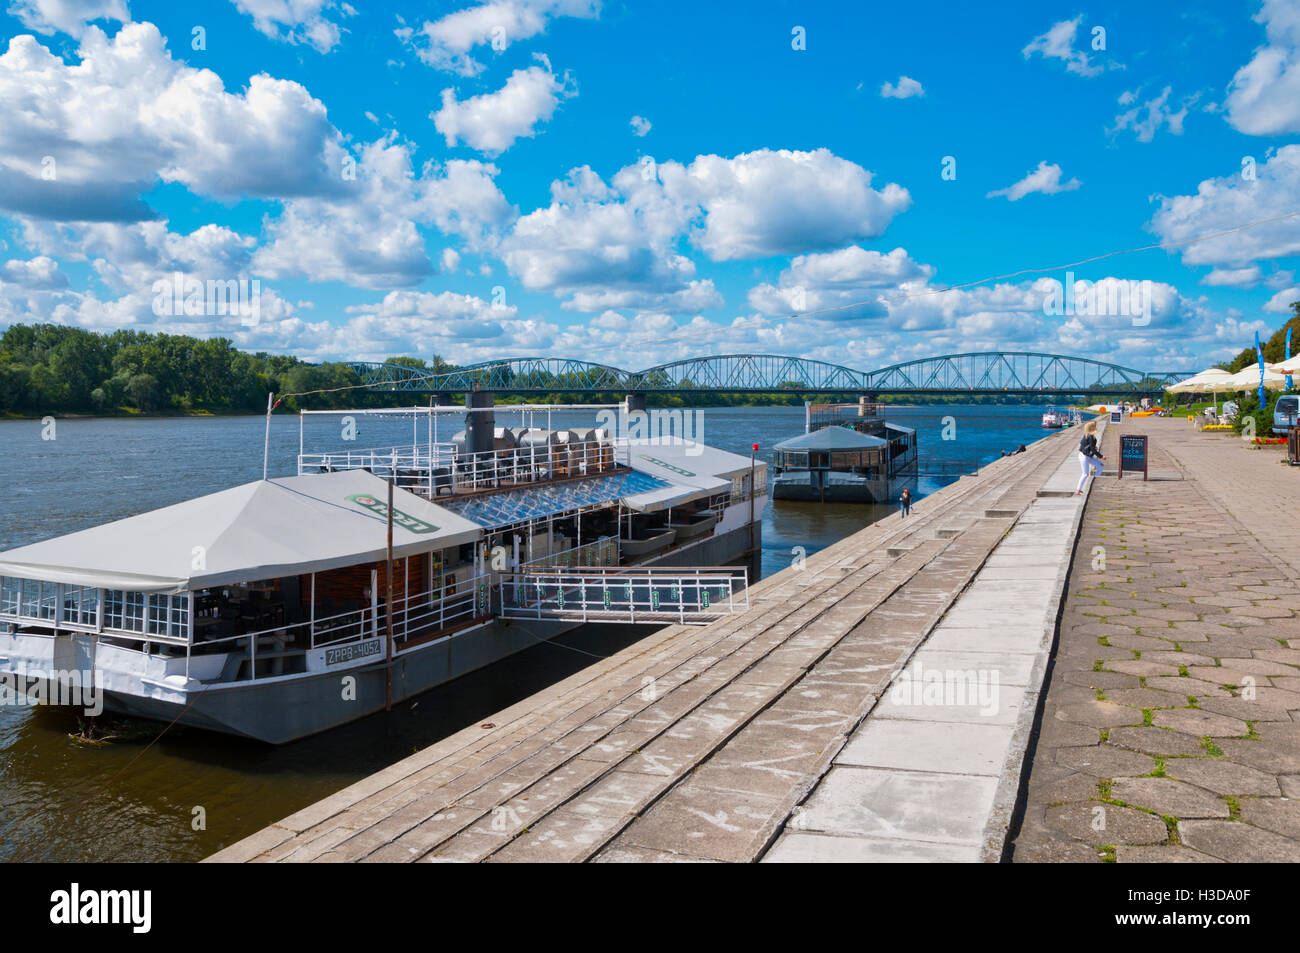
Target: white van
1286,413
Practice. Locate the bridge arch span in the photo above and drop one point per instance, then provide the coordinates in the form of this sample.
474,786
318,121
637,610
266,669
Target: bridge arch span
973,372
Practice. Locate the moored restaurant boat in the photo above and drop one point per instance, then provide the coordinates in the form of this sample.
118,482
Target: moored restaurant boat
844,457
279,608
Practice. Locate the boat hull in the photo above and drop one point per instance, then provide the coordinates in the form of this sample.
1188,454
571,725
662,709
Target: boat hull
840,490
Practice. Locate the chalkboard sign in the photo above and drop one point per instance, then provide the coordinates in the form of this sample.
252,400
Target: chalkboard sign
1133,454
1117,416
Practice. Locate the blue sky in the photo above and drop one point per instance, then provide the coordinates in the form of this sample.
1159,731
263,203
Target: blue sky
634,183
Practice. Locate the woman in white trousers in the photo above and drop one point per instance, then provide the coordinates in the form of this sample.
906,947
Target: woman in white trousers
1089,455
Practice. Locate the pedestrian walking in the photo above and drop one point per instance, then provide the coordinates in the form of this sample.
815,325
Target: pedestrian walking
1090,457
906,501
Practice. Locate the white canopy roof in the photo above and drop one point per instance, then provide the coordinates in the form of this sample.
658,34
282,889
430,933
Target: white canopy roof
694,469
261,530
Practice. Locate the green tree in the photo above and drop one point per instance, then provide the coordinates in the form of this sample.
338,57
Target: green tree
143,392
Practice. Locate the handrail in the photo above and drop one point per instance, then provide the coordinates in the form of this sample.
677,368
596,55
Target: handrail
431,467
551,561
659,593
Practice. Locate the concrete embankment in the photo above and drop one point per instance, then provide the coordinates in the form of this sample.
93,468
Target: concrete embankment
771,734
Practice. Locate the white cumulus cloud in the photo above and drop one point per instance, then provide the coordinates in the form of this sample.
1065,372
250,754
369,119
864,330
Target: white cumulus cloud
297,21
1045,179
493,121
780,202
1058,44
447,43
84,141
370,237
622,244
1145,119
67,16
905,88
1221,204
1264,96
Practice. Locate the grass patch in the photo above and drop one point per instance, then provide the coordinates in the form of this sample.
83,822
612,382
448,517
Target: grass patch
1213,750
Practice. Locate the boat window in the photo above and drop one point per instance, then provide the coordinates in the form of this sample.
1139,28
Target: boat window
157,615
168,615
10,591
124,610
80,605
39,599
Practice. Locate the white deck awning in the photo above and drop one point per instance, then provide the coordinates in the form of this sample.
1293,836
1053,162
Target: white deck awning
695,471
262,530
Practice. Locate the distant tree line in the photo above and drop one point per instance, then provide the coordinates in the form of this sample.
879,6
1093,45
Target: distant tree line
53,369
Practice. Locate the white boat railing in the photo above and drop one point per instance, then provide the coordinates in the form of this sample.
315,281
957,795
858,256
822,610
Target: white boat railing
441,468
601,552
417,615
642,595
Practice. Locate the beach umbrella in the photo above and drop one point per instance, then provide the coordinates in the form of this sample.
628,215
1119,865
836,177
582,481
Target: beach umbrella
1290,366
1248,379
1196,384
1212,380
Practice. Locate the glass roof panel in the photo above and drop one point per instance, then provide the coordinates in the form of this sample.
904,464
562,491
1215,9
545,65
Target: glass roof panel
550,499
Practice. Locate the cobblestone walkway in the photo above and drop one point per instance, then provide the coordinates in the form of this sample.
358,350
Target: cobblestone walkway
1171,730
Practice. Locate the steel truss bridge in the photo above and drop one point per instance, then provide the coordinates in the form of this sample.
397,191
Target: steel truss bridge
984,373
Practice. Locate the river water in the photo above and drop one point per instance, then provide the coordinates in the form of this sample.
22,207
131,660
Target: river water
63,799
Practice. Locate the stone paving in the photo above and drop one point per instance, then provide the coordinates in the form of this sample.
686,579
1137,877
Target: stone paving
1171,728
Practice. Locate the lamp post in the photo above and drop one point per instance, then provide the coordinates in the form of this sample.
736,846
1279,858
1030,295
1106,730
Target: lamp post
753,491
388,600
